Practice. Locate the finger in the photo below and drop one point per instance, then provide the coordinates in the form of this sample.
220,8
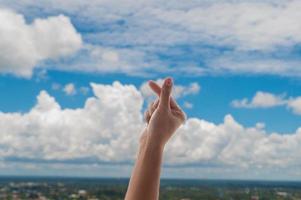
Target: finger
154,106
157,89
180,115
150,110
165,93
174,105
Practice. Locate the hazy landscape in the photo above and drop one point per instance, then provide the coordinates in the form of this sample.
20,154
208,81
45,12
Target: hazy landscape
58,188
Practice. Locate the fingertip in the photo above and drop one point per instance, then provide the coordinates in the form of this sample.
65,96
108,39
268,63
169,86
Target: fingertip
167,85
169,81
154,86
165,93
150,81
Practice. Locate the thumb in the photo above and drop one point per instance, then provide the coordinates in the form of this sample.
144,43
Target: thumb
165,93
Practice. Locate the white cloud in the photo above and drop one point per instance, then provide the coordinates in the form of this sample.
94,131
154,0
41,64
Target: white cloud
100,59
260,100
107,129
139,32
230,143
109,56
245,25
69,89
253,25
24,45
191,89
295,105
261,63
188,105
178,90
267,100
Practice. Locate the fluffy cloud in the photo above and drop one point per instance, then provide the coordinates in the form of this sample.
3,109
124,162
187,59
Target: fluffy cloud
243,24
69,89
295,105
107,129
24,45
178,90
54,39
197,36
229,143
267,100
101,59
260,100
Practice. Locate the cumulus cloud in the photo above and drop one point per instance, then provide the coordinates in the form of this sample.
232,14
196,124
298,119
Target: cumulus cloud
54,43
260,100
107,128
69,89
295,105
178,90
268,100
229,143
24,45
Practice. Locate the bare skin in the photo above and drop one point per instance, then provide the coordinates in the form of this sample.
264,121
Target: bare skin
163,118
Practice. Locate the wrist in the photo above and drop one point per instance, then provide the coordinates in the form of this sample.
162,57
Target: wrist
154,144
147,141
150,151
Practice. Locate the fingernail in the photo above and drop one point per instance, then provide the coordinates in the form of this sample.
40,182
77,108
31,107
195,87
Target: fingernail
168,81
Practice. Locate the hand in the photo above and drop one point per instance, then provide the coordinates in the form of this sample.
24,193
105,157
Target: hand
163,116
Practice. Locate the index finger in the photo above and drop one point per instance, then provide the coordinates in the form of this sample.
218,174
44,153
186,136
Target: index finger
155,87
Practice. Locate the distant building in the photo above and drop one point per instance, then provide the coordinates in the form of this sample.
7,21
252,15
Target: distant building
255,197
73,196
82,193
282,194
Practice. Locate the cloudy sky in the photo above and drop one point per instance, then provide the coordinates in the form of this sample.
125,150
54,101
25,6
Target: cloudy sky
73,86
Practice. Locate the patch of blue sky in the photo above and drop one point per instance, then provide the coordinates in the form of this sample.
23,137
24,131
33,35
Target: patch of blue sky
212,103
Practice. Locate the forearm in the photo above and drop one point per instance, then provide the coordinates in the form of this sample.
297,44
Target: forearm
145,179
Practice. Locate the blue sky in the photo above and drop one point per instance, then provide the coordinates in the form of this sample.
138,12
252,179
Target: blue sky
212,103
236,67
